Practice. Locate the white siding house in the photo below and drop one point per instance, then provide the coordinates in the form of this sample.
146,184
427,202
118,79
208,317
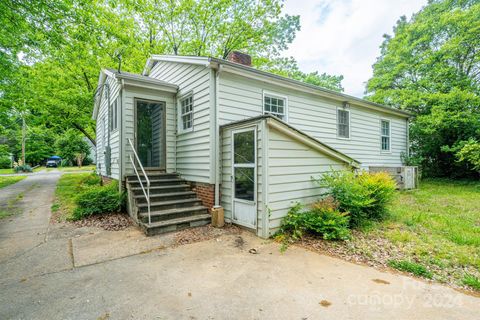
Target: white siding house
245,140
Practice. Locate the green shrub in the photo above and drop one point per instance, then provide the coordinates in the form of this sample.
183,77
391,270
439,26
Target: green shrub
320,219
363,195
98,200
411,267
5,162
23,168
91,180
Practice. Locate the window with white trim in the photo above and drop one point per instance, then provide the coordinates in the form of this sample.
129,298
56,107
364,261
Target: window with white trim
113,115
385,134
343,123
275,106
186,114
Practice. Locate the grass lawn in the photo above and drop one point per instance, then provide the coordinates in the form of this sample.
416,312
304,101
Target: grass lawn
6,171
438,227
69,186
84,168
432,232
6,181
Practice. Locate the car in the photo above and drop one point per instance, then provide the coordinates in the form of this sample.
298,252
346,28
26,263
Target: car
51,163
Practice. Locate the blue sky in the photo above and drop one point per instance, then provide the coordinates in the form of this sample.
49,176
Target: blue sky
343,36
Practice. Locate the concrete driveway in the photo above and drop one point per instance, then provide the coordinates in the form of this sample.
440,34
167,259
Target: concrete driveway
58,272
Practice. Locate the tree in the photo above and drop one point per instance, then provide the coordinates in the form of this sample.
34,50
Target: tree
215,27
71,145
431,67
288,67
39,145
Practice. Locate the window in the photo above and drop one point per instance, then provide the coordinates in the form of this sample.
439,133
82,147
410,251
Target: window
343,123
385,134
113,115
275,106
186,114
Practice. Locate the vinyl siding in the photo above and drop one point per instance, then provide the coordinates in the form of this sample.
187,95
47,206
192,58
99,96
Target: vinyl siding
291,166
102,126
193,149
132,93
226,187
241,98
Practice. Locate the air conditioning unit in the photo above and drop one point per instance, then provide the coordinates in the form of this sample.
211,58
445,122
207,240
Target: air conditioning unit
405,176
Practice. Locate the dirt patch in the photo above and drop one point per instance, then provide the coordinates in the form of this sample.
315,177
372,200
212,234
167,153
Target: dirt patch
109,222
380,281
325,303
203,233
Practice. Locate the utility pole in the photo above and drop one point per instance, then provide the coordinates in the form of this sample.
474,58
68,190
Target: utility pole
24,129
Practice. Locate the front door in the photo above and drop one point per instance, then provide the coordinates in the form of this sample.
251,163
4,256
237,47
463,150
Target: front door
244,177
150,133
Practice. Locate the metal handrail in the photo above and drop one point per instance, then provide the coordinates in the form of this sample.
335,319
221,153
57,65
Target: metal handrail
145,193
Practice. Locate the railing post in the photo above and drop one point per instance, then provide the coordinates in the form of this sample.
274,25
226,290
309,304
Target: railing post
145,193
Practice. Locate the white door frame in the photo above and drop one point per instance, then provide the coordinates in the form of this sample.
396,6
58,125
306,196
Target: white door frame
245,165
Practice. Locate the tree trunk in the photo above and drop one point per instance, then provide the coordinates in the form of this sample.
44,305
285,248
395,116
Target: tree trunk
82,130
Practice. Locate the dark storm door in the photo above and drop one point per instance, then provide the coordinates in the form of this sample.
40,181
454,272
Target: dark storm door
150,133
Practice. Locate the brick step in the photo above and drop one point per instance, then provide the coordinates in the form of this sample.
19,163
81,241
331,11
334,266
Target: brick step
170,214
171,204
176,224
156,197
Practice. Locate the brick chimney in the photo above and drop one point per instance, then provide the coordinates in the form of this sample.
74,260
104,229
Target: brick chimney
239,57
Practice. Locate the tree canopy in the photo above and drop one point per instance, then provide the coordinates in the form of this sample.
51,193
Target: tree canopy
51,52
431,67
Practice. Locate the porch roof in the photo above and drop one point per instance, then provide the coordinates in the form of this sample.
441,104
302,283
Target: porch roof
299,135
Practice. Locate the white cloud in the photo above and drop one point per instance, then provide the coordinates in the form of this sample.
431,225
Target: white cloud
343,36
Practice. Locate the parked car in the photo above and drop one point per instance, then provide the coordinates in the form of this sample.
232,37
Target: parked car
51,163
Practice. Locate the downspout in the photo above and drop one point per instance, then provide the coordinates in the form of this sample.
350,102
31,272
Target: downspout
120,138
217,137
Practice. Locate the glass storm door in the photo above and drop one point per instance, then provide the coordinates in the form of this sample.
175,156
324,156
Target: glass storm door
150,133
244,178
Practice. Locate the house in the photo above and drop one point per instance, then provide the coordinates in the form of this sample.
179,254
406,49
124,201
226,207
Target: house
208,133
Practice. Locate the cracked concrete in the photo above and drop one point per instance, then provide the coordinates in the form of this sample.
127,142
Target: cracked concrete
61,272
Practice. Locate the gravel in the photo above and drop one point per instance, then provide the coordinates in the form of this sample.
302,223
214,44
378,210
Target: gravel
109,222
204,233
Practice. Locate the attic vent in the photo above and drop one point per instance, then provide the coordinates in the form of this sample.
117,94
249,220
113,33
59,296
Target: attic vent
241,58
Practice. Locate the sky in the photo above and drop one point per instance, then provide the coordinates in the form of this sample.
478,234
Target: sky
344,36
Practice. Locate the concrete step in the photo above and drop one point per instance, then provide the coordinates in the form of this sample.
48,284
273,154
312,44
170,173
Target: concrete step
170,204
162,189
156,197
155,182
170,214
133,177
176,224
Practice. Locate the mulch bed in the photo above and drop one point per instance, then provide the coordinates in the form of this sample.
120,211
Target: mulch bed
109,222
204,233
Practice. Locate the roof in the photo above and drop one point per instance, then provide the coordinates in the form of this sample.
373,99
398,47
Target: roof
131,79
139,77
298,135
250,71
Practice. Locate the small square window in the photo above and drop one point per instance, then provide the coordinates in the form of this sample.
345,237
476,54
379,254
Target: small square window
186,113
275,106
